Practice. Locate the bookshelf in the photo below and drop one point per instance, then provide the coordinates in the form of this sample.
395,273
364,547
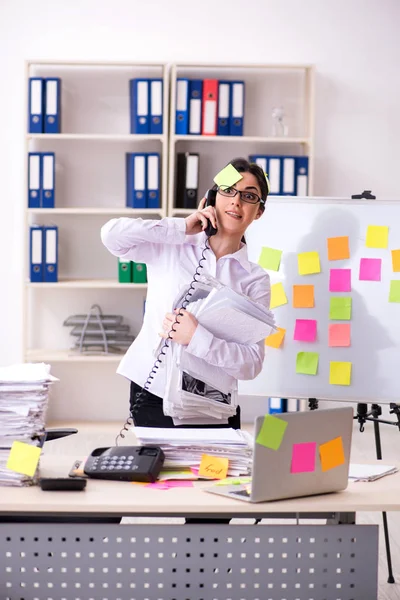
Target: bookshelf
90,189
266,86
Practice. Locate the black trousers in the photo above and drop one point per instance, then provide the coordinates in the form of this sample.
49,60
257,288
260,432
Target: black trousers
148,412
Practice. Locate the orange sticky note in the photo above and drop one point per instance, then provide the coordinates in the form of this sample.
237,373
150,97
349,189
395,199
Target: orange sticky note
23,458
303,296
275,339
338,248
331,454
213,467
396,261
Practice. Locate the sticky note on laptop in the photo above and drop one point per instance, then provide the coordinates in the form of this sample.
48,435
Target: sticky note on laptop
271,432
332,454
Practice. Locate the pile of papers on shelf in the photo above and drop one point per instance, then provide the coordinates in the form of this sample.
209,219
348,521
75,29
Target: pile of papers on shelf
196,391
24,391
184,447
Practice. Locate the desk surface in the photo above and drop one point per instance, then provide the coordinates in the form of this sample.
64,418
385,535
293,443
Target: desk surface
102,498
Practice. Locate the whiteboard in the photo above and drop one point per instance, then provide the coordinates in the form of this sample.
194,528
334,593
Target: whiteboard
296,225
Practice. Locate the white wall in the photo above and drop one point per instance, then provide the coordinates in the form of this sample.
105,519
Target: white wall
354,44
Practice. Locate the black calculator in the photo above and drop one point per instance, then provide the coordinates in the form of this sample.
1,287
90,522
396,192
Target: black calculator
126,463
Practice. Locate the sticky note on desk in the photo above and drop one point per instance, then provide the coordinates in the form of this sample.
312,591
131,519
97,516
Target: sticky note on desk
303,296
303,457
340,373
270,258
213,467
377,236
278,296
275,339
307,363
340,308
338,248
228,176
271,432
308,263
23,458
331,454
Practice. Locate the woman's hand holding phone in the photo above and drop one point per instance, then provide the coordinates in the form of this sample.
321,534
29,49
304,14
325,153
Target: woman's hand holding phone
198,221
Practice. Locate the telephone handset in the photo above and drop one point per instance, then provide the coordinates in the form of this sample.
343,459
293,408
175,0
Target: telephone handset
210,201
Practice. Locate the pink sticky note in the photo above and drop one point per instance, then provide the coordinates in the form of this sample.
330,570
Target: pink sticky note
340,280
158,485
303,457
370,269
339,334
180,484
305,330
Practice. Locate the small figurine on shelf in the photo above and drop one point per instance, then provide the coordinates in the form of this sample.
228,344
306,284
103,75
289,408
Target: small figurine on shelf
279,129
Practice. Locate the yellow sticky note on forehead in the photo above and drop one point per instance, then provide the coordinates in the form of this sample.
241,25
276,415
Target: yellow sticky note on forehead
228,176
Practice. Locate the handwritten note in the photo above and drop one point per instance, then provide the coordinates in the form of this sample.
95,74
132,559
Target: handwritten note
308,263
339,335
228,176
303,296
23,458
370,269
278,295
394,294
338,248
213,467
307,363
377,236
340,308
303,457
271,432
305,330
340,280
396,261
340,373
275,340
331,454
270,258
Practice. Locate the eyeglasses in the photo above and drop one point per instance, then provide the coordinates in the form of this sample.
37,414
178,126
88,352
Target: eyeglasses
231,192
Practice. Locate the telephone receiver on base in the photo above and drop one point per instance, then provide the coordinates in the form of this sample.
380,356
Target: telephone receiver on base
210,201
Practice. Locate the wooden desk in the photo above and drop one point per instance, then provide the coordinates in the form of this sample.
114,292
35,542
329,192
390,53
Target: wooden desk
199,562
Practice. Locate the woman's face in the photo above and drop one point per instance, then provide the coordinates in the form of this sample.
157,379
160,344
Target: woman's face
233,214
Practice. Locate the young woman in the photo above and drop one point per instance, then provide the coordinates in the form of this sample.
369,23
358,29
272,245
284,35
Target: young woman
171,249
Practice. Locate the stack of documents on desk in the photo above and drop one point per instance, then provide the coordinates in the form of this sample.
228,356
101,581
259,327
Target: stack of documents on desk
370,472
24,391
196,391
184,447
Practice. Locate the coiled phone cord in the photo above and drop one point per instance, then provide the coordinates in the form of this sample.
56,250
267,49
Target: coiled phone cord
139,400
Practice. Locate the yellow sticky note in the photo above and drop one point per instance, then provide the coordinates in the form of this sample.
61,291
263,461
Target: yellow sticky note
275,339
278,296
213,467
331,454
396,261
23,458
340,373
270,258
377,236
309,263
228,176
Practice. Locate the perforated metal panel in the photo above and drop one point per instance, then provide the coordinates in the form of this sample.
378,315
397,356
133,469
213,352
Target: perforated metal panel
188,562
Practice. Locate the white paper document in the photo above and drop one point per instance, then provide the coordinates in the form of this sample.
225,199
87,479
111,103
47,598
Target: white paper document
359,472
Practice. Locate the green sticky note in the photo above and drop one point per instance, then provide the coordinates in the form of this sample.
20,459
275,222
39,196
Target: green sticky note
270,258
307,363
340,308
228,176
271,432
394,294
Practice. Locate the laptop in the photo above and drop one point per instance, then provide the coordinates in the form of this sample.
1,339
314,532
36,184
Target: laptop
301,454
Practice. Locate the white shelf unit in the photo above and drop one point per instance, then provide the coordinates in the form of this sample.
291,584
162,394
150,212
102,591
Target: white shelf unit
90,189
266,87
